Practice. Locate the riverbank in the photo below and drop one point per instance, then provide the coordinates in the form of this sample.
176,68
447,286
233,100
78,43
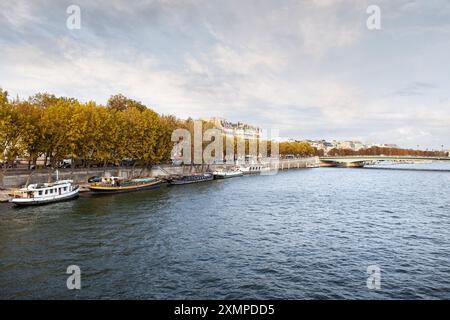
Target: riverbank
4,195
18,178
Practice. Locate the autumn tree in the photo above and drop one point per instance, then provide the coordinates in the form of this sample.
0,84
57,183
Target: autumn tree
121,103
297,148
11,129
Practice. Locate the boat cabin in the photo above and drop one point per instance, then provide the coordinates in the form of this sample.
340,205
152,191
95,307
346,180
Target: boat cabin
41,190
111,181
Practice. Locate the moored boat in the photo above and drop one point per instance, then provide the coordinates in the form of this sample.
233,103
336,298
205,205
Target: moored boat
227,174
44,193
188,179
312,165
254,168
117,185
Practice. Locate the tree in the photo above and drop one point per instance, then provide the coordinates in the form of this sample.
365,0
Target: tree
297,148
11,126
32,134
121,103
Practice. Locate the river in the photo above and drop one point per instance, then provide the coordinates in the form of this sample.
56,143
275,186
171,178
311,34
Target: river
307,233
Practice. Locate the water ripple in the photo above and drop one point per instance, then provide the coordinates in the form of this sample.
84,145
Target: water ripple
299,234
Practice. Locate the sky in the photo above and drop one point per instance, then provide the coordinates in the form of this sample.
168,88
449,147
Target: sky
308,68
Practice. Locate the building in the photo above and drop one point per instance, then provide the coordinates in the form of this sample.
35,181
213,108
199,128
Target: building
231,129
326,146
352,145
323,144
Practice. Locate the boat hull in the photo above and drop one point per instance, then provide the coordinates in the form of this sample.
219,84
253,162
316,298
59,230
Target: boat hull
249,172
181,181
36,202
122,189
227,176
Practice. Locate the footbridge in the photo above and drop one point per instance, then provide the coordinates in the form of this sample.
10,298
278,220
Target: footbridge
361,161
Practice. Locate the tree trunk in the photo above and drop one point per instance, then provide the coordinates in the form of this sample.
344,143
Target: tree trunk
2,174
28,178
49,178
118,169
143,168
72,166
132,170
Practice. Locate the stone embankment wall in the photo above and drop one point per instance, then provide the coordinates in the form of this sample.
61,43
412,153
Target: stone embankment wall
17,178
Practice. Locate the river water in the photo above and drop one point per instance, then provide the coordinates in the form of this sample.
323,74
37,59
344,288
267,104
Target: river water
308,233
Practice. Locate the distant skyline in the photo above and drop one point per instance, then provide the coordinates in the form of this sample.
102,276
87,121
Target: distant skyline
310,69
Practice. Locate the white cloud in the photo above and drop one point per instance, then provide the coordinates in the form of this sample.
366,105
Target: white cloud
18,13
310,68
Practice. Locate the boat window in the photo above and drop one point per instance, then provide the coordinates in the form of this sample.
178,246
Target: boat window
51,190
46,191
40,192
65,188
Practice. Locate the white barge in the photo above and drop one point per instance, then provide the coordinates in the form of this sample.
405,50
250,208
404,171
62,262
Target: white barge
43,193
222,174
254,168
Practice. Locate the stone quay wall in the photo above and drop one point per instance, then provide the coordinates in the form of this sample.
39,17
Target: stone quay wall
18,178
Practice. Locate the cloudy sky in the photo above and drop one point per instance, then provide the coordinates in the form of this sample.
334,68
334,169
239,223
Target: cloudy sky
310,68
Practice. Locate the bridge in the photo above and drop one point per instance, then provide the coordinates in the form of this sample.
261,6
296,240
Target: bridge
360,161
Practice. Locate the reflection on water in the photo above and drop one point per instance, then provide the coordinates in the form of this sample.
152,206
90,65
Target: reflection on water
298,234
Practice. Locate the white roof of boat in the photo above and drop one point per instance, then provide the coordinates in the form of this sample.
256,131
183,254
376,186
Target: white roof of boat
38,186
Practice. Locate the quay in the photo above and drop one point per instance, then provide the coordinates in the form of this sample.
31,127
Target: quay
17,178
